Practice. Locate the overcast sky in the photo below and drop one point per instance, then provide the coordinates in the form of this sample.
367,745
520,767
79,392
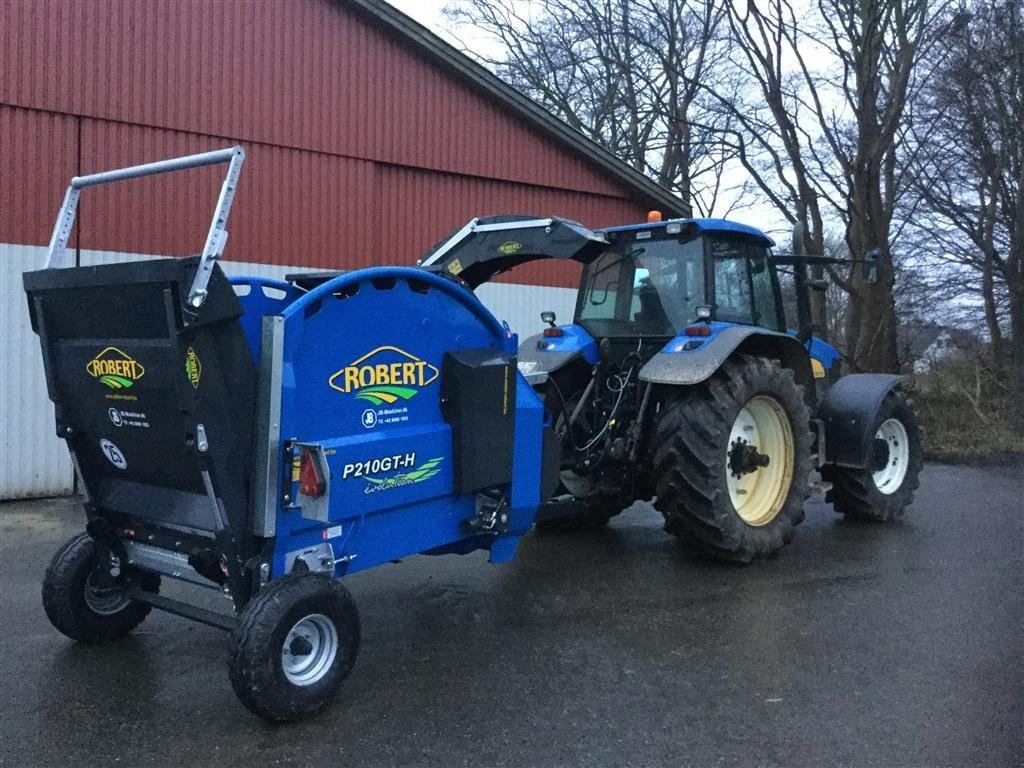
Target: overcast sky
426,12
429,14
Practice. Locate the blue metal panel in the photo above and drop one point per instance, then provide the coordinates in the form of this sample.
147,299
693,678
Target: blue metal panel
704,225
684,344
363,355
574,338
823,352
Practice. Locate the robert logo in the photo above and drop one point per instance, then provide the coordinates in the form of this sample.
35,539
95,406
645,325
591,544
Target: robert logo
193,368
115,369
385,375
509,248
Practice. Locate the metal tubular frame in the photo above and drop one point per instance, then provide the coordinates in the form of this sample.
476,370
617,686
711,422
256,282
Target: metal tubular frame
217,236
472,226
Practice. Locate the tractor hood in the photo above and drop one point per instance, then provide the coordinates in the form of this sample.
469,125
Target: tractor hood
490,245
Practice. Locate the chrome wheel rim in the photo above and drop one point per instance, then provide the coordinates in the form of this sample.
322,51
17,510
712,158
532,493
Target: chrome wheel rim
889,478
762,429
105,602
309,650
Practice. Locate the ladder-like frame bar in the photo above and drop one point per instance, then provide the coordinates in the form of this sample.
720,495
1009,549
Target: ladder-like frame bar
217,236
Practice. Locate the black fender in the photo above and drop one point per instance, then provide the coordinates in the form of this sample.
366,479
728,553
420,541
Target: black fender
848,412
694,367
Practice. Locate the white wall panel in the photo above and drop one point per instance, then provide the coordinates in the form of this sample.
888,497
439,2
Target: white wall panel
34,462
520,305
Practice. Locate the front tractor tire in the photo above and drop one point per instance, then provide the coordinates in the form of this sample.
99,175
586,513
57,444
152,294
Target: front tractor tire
293,646
882,491
732,460
83,608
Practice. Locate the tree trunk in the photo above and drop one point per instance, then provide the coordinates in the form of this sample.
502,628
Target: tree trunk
871,322
871,344
1014,366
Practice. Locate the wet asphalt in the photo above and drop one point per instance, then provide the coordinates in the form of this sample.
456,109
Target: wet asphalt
861,645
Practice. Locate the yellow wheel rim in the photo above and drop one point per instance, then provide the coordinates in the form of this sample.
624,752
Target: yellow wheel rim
759,460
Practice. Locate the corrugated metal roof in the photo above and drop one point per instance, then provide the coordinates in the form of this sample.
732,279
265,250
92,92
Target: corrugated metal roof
433,47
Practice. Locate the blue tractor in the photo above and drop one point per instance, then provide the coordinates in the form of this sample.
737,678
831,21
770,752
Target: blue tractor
678,381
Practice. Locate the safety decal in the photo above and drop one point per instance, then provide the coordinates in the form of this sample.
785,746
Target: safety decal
509,248
193,368
115,369
817,368
455,267
113,454
384,375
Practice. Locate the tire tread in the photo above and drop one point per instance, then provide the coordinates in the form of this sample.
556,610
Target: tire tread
690,474
63,594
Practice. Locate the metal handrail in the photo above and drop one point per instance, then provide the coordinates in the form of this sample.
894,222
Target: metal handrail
217,236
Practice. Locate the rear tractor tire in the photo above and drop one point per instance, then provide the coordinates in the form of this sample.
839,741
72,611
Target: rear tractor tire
732,461
884,489
294,644
85,610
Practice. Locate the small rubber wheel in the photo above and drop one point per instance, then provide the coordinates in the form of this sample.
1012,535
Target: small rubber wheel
295,643
79,608
884,489
732,460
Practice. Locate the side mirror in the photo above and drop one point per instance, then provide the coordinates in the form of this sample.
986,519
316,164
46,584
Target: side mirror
548,317
871,269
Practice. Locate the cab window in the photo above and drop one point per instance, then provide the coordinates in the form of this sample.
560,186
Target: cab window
744,286
651,289
766,306
732,282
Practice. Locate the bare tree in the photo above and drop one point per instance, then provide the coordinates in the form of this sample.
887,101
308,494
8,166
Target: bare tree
970,172
683,89
626,73
878,42
835,136
764,100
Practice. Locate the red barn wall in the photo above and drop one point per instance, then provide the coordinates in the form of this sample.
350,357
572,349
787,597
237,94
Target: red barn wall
360,150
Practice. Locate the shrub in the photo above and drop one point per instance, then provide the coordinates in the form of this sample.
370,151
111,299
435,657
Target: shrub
967,409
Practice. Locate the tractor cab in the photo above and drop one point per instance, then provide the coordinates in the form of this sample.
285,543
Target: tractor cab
655,280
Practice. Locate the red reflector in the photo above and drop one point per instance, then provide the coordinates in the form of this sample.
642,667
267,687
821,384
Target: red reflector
310,482
698,330
549,332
